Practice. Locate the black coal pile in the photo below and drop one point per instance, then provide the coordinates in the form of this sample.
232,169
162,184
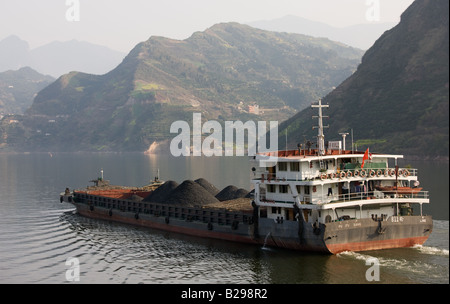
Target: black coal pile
194,193
161,193
231,193
208,186
190,193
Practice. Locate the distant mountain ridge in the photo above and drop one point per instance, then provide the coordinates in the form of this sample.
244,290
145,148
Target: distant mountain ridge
398,99
58,58
218,72
361,36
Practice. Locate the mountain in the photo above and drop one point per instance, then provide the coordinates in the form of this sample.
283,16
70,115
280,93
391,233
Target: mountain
18,89
58,58
398,99
218,72
360,36
14,53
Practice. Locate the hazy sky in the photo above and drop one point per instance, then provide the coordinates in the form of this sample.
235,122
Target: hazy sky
121,24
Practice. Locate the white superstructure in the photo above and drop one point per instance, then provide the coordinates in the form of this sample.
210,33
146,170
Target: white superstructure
332,184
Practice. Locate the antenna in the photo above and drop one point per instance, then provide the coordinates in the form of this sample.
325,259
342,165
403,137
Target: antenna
352,141
320,136
286,139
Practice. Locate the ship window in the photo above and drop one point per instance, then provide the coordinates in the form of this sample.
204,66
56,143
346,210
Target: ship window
271,188
295,166
282,166
283,189
276,210
307,190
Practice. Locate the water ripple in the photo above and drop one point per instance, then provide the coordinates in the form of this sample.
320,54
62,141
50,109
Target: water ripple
115,253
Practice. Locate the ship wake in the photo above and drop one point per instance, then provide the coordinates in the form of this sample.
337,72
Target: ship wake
432,250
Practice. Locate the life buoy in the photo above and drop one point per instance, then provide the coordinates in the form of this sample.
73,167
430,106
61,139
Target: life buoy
323,176
363,173
400,172
386,172
406,173
372,173
356,174
342,174
392,172
349,173
379,173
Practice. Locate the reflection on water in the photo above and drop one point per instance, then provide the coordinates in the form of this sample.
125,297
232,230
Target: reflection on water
38,233
127,254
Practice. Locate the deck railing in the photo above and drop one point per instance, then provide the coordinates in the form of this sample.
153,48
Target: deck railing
334,174
353,196
197,213
325,199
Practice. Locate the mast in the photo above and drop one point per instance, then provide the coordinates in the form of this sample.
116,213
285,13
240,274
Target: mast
320,136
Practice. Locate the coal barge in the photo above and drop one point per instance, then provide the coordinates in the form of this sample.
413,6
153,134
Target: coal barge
327,199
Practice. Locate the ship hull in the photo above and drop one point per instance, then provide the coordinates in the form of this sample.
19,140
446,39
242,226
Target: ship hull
332,238
239,233
367,234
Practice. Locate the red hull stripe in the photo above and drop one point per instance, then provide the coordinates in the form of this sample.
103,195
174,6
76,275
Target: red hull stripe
376,245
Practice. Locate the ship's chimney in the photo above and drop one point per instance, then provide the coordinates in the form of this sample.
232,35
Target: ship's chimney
343,139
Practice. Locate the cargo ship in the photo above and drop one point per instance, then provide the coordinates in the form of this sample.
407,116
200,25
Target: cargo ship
325,199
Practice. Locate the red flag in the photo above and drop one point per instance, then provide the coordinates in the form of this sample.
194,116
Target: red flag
366,156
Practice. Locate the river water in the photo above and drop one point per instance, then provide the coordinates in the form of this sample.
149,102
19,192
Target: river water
38,234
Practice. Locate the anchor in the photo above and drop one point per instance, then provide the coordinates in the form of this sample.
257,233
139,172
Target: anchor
380,229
